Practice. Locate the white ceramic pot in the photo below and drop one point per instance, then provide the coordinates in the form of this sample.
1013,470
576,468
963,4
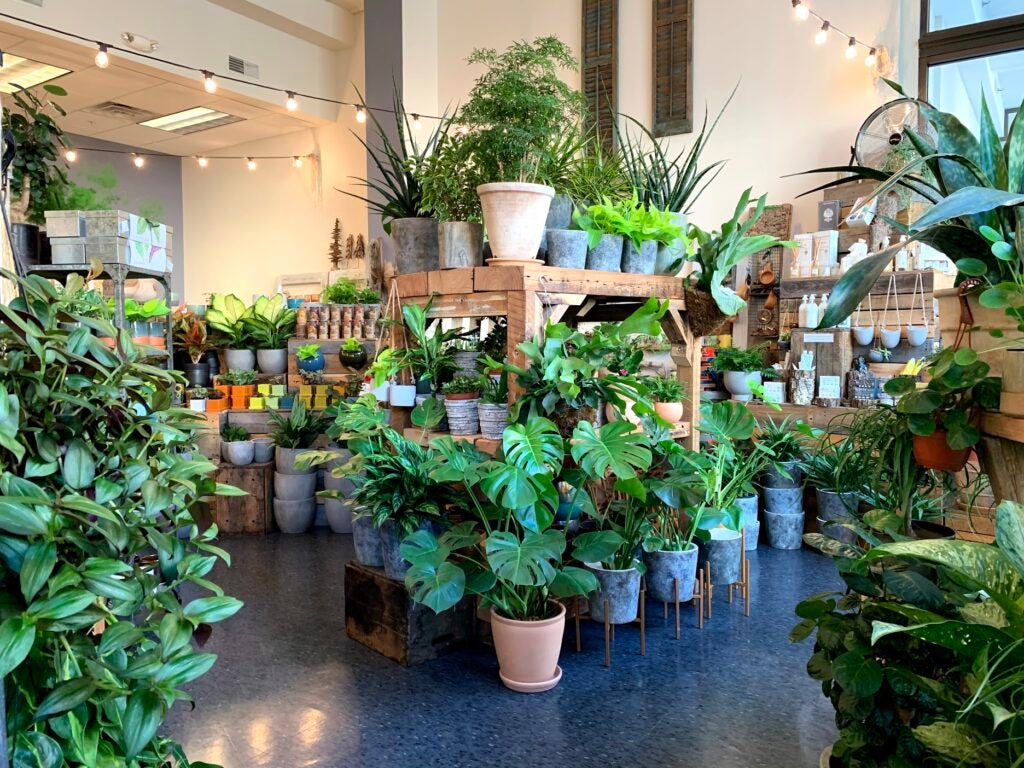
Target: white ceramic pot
890,337
864,334
381,392
514,217
402,395
197,405
738,383
917,335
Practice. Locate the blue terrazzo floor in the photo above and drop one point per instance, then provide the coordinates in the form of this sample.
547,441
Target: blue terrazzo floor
290,689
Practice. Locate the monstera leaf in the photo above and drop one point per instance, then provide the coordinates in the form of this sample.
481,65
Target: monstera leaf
727,420
428,414
527,562
535,446
437,586
618,448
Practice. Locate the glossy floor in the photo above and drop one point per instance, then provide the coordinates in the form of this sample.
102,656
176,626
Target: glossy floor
290,690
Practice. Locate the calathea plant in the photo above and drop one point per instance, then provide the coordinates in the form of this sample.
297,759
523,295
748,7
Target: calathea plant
97,539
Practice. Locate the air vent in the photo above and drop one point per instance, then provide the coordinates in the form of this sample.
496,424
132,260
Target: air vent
120,111
243,67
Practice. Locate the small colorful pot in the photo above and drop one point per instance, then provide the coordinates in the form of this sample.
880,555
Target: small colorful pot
319,403
278,390
287,402
217,405
313,364
272,403
256,403
306,400
263,389
305,390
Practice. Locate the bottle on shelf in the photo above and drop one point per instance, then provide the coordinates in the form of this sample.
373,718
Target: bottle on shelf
812,312
822,307
802,320
902,257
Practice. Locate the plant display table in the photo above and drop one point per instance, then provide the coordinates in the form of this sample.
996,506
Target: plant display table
531,295
814,415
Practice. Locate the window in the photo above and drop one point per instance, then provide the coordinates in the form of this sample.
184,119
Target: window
970,49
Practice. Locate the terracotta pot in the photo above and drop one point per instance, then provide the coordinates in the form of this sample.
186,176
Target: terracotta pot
671,412
217,405
514,217
462,396
528,651
933,452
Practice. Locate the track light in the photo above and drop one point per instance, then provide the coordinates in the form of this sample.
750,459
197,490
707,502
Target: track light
250,163
802,11
139,161
102,59
203,162
822,37
70,155
209,83
360,114
292,103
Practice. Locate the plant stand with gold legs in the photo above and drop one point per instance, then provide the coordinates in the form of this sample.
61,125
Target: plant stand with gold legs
699,591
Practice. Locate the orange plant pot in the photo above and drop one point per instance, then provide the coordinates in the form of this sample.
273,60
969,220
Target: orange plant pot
933,452
218,405
225,388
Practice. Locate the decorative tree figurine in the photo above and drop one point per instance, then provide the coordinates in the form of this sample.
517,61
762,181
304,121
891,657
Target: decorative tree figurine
349,245
335,250
360,247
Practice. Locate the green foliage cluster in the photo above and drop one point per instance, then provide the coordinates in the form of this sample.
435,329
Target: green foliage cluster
736,359
662,389
299,429
341,291
310,351
237,378
636,222
461,385
232,434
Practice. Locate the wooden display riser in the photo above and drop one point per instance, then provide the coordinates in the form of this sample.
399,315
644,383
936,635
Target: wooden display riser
251,514
813,415
380,614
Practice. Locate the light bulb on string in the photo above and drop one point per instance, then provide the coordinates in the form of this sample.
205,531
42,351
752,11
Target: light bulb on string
250,163
209,83
416,121
70,155
822,37
102,58
360,114
851,49
871,58
801,11
138,160
297,162
292,103
202,161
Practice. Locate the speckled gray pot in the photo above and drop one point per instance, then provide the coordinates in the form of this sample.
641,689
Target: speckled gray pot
493,420
465,360
622,591
339,513
294,487
284,460
239,452
836,506
773,478
836,530
263,449
640,262
272,360
395,565
785,531
415,245
560,213
724,552
367,541
463,418
607,254
567,248
748,506
460,244
663,568
295,516
783,501
240,359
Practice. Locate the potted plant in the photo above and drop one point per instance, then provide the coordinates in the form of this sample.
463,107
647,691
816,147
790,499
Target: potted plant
465,353
271,324
495,344
352,354
837,470
782,482
197,399
396,193
603,224
512,116
430,356
492,408
190,334
943,415
216,401
709,301
449,180
242,384
461,396
237,444
294,484
667,394
879,354
341,291
310,358
646,227
380,376
229,315
740,369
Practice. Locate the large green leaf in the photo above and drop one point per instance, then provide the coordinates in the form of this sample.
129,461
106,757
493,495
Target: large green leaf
535,446
1010,531
212,609
34,749
596,546
16,638
526,562
79,466
65,696
23,519
958,741
619,447
437,586
573,582
860,675
966,202
961,637
62,605
37,565
509,486
184,669
912,587
852,287
727,420
142,717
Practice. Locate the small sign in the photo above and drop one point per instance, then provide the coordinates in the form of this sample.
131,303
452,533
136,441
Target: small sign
830,387
774,392
819,338
830,213
807,360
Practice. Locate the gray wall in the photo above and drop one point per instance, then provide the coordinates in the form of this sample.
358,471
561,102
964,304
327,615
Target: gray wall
158,182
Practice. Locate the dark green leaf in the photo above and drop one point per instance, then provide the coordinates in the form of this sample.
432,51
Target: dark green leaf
857,674
65,696
185,669
79,465
911,587
16,638
39,561
212,609
142,718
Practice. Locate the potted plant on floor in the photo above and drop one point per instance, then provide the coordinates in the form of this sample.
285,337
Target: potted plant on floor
493,406
837,470
740,368
449,180
514,112
238,445
229,315
294,484
667,394
271,324
352,354
197,399
309,358
461,396
782,482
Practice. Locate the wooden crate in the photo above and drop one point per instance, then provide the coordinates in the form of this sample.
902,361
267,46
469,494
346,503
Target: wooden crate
250,514
832,348
380,614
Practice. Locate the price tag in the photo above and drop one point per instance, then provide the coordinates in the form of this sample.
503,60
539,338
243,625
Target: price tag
819,338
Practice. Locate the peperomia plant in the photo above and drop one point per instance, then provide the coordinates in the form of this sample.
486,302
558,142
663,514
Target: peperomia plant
97,539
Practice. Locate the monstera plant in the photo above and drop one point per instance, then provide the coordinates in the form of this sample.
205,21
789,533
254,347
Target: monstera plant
99,533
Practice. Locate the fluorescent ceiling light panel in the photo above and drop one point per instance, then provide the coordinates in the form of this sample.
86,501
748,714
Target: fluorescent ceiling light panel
191,120
18,73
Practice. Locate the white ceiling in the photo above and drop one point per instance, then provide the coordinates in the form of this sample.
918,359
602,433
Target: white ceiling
151,89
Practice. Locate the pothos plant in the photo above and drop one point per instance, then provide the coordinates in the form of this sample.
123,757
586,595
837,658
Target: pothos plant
98,536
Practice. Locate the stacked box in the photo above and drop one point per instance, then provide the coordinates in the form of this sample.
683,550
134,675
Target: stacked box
78,237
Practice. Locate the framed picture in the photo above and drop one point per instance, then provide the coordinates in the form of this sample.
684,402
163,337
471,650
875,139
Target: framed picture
829,214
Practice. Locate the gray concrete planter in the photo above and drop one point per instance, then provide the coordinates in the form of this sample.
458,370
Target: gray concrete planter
294,487
339,515
272,360
837,506
263,449
773,478
567,248
784,501
415,245
836,530
671,257
748,507
640,262
785,531
284,460
367,541
240,359
460,244
493,419
466,362
395,565
463,418
560,213
663,568
606,255
622,591
295,516
238,452
724,553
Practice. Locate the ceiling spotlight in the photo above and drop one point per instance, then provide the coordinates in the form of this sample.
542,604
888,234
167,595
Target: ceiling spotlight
292,104
297,161
102,59
822,37
203,162
871,58
70,155
851,49
208,82
250,163
139,160
360,114
801,10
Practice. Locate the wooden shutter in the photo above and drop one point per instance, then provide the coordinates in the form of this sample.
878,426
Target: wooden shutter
673,67
599,64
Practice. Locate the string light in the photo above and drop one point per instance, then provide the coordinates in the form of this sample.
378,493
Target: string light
360,114
203,162
802,11
851,49
292,103
102,58
70,155
297,162
871,58
250,163
416,121
209,83
139,160
822,37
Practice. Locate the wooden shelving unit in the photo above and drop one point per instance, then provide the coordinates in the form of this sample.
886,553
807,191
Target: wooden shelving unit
335,371
814,415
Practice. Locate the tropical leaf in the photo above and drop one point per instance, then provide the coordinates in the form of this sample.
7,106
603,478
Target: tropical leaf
527,562
535,446
727,420
858,674
966,201
1010,531
572,582
439,586
596,546
618,448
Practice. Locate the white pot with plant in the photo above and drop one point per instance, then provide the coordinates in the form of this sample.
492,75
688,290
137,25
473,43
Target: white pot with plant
270,325
237,445
197,399
229,315
667,395
492,408
740,369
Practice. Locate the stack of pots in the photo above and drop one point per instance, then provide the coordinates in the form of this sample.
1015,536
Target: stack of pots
338,511
566,248
834,509
294,492
749,521
463,416
784,505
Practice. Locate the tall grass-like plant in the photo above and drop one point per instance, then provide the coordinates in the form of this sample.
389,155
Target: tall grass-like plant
100,484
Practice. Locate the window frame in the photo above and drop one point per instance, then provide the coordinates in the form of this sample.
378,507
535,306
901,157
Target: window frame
971,41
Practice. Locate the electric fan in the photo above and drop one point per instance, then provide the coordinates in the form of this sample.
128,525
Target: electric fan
881,142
